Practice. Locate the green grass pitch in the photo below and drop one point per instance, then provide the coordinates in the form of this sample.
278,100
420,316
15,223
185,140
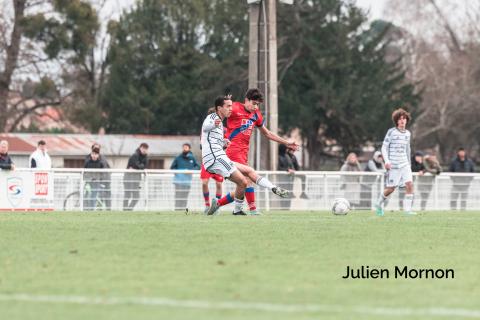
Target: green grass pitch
282,265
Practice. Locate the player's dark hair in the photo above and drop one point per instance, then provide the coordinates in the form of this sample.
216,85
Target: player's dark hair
144,145
219,101
254,94
42,143
211,110
188,145
399,113
460,149
95,145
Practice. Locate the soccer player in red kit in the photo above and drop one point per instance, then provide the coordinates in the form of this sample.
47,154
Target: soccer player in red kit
205,176
245,116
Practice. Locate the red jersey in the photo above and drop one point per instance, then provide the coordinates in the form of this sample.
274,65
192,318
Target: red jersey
239,130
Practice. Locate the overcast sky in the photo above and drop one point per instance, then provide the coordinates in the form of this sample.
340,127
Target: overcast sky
375,7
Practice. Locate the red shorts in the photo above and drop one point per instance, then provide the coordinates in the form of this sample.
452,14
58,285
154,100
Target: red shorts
204,174
236,156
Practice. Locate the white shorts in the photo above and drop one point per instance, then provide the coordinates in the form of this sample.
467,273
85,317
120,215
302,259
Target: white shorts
221,165
398,177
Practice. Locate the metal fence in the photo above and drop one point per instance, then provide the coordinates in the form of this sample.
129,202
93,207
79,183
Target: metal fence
154,190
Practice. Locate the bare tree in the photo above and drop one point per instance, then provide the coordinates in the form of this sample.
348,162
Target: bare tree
10,48
444,62
41,41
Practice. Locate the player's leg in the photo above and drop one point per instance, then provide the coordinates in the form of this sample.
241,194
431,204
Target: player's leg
250,191
241,181
261,181
382,199
218,189
250,197
206,194
238,196
226,168
391,181
408,201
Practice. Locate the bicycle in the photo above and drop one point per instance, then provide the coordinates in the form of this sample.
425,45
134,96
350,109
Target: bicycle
72,200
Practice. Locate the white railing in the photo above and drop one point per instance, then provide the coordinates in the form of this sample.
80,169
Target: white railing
154,190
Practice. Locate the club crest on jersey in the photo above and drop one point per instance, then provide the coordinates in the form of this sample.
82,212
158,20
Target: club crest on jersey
247,126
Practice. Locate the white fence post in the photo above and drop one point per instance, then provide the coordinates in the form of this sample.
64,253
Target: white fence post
325,188
267,196
146,191
82,189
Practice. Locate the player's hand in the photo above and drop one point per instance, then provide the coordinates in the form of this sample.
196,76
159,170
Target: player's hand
421,173
291,171
293,146
227,143
388,166
217,122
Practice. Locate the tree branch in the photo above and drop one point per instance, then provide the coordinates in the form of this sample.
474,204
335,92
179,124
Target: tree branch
31,109
448,28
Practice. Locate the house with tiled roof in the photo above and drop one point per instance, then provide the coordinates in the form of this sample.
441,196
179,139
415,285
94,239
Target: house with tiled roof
69,150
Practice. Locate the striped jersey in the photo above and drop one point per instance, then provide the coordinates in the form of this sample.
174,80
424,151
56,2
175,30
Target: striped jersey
396,148
212,140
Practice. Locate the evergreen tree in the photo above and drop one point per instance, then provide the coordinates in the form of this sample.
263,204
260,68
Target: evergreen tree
168,62
337,84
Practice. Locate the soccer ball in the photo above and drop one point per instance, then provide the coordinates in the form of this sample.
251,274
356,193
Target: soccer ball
341,206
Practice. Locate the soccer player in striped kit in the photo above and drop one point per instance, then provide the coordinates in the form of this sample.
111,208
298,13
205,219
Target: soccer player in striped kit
216,161
396,154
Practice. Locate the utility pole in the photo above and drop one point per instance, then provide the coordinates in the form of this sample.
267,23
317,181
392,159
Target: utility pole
262,69
272,79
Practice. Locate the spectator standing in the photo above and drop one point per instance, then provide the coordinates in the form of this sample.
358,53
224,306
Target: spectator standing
426,178
351,183
183,181
105,183
6,162
131,180
40,159
285,181
461,164
417,162
375,164
296,166
93,179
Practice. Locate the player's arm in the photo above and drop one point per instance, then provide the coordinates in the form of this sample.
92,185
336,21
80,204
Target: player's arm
385,145
209,124
274,137
409,153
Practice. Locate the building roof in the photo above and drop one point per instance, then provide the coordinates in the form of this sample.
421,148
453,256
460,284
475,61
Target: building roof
111,144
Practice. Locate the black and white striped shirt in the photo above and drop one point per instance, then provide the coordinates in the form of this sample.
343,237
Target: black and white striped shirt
212,140
396,148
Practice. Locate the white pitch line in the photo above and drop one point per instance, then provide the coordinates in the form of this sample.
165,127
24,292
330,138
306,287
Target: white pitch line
238,305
